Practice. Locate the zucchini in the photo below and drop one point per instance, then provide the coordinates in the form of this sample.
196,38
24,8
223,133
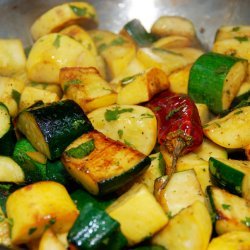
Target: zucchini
215,80
92,153
231,213
175,195
51,128
238,99
233,175
138,33
7,133
91,208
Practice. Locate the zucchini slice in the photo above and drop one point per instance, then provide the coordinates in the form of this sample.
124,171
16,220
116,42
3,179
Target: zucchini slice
7,133
233,175
138,33
215,80
101,164
32,162
231,212
51,128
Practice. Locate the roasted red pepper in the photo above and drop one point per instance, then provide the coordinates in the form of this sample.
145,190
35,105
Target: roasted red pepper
179,125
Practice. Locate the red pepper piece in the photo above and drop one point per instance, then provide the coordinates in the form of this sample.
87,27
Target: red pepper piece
179,125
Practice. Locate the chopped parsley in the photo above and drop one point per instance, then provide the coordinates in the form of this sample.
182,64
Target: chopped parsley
78,11
82,150
102,47
16,95
32,230
116,42
173,112
147,115
157,108
128,143
236,28
246,221
241,38
226,206
120,133
238,112
57,41
129,79
170,215
112,115
162,164
71,82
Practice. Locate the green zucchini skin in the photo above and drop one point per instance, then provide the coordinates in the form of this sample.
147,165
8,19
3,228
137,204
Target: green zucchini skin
60,123
33,171
139,34
226,177
110,185
8,139
241,98
94,228
206,80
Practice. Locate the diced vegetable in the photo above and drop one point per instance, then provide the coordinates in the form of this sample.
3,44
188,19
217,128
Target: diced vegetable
47,204
231,213
49,240
63,15
172,41
189,229
51,128
133,125
215,80
88,156
138,213
228,32
233,175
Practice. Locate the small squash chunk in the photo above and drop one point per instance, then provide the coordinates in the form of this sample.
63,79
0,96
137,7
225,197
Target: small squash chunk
173,25
209,149
87,88
180,191
190,161
231,212
172,41
133,125
54,51
10,92
49,240
82,36
178,80
142,87
10,171
101,164
46,204
235,240
12,57
164,59
189,229
4,230
228,32
52,127
31,95
138,213
117,51
230,131
62,15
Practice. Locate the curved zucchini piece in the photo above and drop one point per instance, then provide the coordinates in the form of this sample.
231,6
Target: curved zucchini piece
32,162
103,165
138,33
233,175
51,128
231,212
230,131
60,16
10,171
231,241
7,133
133,125
215,80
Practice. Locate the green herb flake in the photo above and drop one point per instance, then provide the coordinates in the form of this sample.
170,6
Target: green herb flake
162,164
246,221
102,47
157,108
170,215
238,112
78,11
128,143
52,221
57,41
120,133
217,124
112,115
241,38
226,206
32,230
16,95
71,82
167,51
236,28
147,115
82,150
129,79
173,112
118,41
